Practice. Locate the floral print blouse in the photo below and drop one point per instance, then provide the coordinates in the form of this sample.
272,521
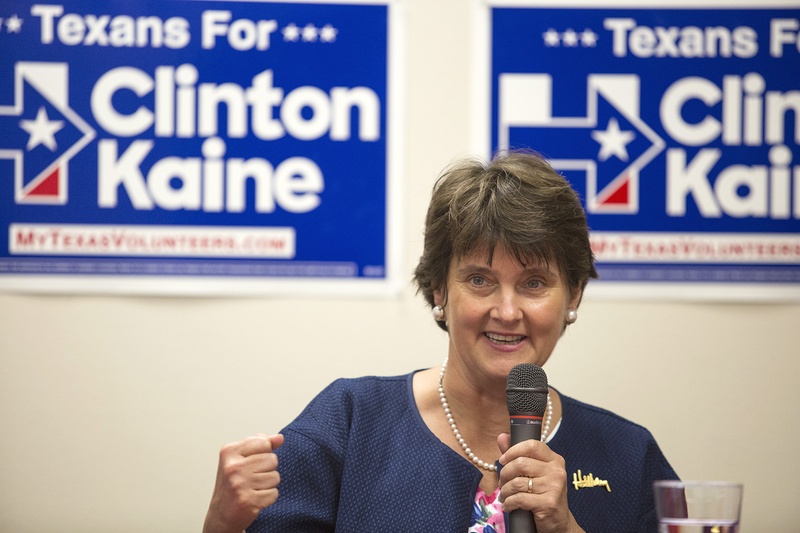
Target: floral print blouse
487,513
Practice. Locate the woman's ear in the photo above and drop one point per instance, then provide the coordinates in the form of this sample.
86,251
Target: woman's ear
438,298
575,298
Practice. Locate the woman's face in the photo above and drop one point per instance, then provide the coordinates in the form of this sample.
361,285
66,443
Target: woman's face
503,314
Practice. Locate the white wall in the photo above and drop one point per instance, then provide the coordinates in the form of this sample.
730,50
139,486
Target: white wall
113,409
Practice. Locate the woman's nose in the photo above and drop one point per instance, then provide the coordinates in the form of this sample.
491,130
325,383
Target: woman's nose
506,306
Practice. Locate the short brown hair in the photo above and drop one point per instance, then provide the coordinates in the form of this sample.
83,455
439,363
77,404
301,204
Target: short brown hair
517,200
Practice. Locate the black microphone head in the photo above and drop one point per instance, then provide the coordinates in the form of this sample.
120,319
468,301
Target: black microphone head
526,390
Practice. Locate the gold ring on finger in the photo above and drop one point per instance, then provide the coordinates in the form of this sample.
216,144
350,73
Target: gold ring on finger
530,485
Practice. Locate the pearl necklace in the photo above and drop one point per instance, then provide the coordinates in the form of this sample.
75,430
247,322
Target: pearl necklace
464,446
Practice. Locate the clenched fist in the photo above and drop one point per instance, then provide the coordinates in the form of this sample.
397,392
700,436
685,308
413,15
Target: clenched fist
247,481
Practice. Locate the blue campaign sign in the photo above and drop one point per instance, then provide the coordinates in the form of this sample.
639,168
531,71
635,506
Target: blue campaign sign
197,146
679,127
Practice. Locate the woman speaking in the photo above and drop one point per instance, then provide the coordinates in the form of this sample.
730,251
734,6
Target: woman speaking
505,262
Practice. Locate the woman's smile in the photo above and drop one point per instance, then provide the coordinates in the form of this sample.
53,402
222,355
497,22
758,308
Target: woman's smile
505,340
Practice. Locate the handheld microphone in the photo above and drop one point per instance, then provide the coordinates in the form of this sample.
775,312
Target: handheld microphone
526,398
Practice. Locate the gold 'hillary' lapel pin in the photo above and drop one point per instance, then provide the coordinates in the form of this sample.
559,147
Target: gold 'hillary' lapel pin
588,481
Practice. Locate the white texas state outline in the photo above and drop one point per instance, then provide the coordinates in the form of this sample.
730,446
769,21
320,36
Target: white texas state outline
51,80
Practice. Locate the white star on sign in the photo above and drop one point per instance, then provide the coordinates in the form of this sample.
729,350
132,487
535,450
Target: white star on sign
42,130
613,141
291,32
328,33
570,38
589,38
309,33
13,24
551,38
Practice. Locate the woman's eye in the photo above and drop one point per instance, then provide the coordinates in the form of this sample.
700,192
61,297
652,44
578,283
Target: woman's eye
478,280
534,284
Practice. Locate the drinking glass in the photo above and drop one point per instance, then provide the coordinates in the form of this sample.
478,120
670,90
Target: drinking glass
698,506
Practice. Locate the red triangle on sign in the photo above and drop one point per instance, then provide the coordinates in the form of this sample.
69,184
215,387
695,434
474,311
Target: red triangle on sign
619,196
48,186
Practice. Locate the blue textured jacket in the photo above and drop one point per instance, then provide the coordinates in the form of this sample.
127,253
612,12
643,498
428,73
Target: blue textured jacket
360,458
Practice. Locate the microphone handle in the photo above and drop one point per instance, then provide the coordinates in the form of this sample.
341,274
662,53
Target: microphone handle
523,428
521,521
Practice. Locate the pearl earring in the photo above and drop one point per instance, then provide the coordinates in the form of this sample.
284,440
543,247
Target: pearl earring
572,316
438,313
